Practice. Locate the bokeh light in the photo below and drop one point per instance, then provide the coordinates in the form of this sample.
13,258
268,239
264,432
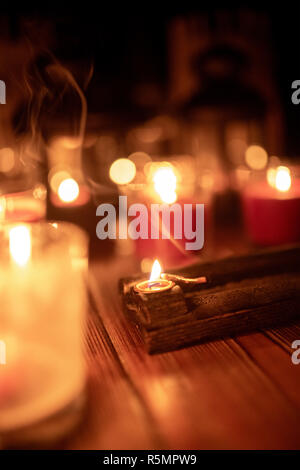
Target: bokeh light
122,171
256,157
279,178
68,190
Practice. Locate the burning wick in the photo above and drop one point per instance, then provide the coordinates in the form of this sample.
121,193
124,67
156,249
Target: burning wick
155,283
159,282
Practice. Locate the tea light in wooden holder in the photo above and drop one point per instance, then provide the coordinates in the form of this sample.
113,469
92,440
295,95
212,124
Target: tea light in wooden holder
160,295
232,296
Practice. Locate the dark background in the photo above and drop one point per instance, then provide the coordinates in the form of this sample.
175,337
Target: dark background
127,48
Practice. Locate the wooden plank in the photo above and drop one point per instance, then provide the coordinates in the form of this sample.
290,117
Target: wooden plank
115,408
259,263
210,396
231,302
172,337
274,360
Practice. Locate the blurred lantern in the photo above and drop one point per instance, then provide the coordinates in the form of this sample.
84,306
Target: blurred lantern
222,83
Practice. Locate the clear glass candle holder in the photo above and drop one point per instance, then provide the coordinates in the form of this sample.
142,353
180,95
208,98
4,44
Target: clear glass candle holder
27,205
43,306
22,192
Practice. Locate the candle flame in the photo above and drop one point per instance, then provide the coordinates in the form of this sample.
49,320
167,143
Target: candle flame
165,182
68,190
279,178
156,271
20,244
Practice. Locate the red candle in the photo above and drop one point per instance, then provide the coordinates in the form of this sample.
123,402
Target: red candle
172,252
272,209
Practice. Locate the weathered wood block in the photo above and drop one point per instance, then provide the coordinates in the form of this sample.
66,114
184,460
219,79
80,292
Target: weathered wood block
242,294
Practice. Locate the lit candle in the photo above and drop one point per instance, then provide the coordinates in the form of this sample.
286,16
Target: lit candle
272,208
24,206
171,250
155,283
65,177
43,301
160,282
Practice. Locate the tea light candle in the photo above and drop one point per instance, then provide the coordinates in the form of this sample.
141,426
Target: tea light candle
43,302
160,282
155,283
271,208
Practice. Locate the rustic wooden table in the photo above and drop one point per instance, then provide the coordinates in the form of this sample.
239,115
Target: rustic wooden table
240,393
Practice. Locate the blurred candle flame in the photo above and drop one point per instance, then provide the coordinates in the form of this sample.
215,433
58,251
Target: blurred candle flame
20,244
122,171
68,190
156,271
279,178
165,182
256,157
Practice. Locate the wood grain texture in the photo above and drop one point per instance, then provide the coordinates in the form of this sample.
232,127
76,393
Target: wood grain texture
239,393
115,408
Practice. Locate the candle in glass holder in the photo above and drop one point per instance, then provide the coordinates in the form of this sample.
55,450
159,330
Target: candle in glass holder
43,303
22,193
24,206
67,188
70,200
272,207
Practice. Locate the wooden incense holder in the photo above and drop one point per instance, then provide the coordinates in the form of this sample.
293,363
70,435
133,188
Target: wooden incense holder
239,295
